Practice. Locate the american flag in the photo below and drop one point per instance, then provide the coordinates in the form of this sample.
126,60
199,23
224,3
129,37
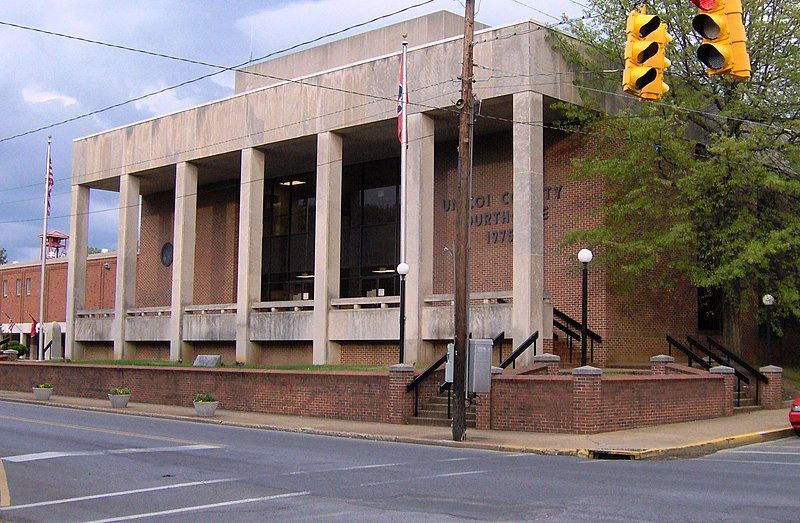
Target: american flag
11,323
400,105
50,181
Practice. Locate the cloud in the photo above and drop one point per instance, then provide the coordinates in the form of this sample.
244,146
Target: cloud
226,79
163,103
35,95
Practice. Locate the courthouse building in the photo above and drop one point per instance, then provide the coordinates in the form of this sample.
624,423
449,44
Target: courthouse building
265,226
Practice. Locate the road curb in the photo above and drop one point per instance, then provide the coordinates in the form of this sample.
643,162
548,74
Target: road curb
692,449
703,447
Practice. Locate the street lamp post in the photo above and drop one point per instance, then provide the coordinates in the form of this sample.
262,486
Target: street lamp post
584,256
769,300
402,270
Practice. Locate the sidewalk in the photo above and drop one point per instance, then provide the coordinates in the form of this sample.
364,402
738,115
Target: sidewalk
662,441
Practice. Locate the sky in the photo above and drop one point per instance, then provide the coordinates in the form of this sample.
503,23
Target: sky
48,79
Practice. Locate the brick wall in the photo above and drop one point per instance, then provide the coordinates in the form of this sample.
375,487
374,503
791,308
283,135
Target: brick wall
99,289
532,403
369,353
491,247
216,245
360,396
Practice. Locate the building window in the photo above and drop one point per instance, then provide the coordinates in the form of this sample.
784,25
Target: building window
5,288
709,310
27,286
370,249
19,287
287,268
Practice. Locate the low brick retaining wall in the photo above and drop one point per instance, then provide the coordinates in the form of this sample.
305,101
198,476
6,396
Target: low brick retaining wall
538,400
361,396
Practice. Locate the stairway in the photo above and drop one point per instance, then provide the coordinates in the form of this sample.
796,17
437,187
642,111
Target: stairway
434,413
748,400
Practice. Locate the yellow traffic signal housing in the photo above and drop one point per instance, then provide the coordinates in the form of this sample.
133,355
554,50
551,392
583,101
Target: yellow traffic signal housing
644,56
724,48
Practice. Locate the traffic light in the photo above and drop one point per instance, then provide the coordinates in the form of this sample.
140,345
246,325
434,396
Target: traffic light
723,50
644,56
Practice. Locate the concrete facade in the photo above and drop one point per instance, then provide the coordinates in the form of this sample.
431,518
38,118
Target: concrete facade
200,175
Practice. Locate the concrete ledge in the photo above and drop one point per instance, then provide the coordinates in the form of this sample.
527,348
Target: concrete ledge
588,370
721,369
662,358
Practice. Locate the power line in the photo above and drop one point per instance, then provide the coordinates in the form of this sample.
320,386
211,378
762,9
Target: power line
203,77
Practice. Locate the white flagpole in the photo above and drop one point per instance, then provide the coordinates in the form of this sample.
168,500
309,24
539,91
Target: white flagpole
403,151
42,290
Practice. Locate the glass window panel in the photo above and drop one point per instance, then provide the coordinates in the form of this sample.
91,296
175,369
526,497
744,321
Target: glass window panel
279,254
379,246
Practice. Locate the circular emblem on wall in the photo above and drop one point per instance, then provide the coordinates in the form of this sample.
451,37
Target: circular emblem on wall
166,254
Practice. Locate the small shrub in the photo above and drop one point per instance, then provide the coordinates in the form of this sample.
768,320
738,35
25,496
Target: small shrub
45,385
21,349
205,397
119,391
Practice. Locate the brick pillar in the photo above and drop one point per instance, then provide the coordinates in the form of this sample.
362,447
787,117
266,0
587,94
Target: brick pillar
586,400
552,361
658,364
770,394
483,405
728,399
401,403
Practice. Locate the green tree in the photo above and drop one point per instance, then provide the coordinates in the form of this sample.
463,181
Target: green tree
3,256
703,184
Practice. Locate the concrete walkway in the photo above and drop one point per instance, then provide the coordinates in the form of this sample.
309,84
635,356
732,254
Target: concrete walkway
673,440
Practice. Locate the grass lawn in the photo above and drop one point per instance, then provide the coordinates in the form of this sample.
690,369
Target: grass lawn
166,363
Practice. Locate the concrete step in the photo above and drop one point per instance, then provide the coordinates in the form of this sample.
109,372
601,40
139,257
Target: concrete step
436,422
748,408
428,413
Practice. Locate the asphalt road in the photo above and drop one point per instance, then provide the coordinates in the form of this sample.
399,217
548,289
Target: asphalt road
72,465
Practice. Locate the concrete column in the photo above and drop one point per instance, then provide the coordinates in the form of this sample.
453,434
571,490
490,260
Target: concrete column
251,232
586,399
183,244
770,395
658,364
401,403
419,232
728,398
328,240
528,159
126,260
76,268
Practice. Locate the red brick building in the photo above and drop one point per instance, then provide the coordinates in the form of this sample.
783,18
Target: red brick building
269,227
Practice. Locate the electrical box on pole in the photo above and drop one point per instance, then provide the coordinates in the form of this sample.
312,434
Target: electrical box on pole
479,366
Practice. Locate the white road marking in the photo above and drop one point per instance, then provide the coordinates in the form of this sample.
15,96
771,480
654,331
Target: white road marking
53,455
121,493
760,452
344,469
201,507
750,462
416,478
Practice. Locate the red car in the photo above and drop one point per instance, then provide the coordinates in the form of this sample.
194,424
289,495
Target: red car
794,415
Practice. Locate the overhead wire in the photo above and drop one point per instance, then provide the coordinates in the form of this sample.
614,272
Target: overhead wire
199,78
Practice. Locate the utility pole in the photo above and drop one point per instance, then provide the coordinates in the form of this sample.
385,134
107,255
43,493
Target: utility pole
461,301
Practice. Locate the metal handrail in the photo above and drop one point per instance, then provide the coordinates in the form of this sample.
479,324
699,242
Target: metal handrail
47,348
739,361
672,342
522,348
571,335
498,341
696,344
592,335
711,356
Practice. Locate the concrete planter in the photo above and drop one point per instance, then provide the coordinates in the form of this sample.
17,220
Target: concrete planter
42,394
119,401
205,408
